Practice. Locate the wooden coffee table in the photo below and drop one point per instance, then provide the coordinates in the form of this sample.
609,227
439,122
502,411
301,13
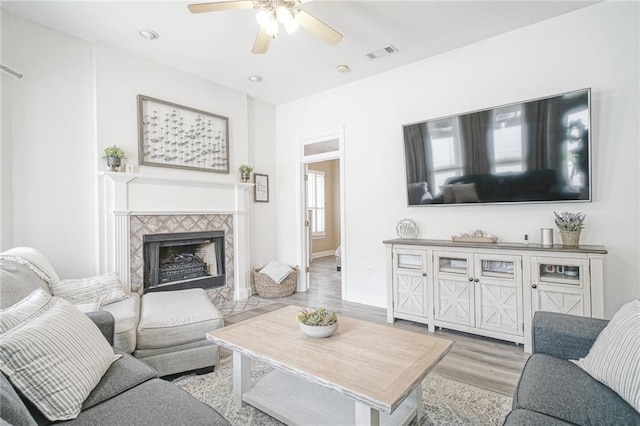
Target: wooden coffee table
365,373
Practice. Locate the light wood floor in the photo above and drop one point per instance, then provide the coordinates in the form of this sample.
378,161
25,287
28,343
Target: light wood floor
487,363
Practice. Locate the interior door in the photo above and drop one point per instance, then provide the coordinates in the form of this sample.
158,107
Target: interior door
308,240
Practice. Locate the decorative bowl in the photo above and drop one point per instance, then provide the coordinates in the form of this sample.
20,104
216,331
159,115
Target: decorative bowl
318,331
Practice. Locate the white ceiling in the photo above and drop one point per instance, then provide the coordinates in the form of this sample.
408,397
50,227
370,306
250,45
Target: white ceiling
217,45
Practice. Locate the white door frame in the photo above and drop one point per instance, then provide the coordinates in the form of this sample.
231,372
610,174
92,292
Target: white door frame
304,161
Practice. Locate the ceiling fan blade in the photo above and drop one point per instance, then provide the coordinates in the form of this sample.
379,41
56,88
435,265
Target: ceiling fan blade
317,27
220,6
262,42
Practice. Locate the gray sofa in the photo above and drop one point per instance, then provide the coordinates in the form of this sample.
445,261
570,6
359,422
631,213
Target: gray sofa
128,394
554,391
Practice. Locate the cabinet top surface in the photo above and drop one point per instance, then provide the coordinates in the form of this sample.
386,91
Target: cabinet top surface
499,246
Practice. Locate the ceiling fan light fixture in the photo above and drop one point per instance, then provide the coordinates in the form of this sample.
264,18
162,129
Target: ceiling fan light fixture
273,28
263,18
283,14
291,26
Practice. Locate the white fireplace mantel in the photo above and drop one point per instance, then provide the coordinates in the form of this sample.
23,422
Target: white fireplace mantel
126,194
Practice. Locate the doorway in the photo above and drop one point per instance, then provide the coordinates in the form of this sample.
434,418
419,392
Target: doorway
323,210
323,216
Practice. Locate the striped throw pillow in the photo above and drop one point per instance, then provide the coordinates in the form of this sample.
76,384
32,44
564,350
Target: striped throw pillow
56,359
614,358
37,302
101,289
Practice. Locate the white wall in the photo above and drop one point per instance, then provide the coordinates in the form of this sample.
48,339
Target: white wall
121,76
78,97
594,47
262,156
50,144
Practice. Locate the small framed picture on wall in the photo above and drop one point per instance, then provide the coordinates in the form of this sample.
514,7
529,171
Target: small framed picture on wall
261,188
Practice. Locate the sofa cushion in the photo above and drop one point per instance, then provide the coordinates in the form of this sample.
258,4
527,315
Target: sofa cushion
170,318
101,289
120,377
614,358
12,409
465,192
17,281
521,417
154,402
559,388
34,304
127,315
56,359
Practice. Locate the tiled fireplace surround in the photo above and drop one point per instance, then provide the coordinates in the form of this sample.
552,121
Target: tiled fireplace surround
132,205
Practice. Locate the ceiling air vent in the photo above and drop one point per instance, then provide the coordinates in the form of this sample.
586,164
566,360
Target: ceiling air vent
381,53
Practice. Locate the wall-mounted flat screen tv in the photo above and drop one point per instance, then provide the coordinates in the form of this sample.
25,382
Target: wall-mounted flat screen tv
533,151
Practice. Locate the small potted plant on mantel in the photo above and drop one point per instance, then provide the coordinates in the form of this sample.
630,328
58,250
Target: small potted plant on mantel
570,226
114,156
317,323
245,172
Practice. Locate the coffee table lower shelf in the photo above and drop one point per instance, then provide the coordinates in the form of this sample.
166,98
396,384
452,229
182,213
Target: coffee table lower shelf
295,401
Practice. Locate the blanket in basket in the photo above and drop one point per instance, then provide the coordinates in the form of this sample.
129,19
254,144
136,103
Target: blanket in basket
276,271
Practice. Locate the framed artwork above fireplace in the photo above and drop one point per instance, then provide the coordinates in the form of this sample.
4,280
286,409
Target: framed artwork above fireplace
172,135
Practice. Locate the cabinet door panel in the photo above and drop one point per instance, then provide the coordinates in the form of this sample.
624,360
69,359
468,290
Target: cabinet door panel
558,299
498,308
410,294
561,285
454,301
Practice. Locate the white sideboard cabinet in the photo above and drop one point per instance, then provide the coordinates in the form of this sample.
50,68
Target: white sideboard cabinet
491,289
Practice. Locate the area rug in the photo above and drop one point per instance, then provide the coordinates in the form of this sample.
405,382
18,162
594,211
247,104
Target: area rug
446,401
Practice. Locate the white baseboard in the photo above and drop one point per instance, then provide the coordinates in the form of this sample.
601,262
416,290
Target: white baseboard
322,254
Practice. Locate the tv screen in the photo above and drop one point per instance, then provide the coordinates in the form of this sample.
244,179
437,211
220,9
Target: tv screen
533,151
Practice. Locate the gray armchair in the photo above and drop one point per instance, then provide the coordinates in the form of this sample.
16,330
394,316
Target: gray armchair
554,391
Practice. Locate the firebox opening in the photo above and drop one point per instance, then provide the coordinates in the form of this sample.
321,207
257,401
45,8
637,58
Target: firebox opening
184,260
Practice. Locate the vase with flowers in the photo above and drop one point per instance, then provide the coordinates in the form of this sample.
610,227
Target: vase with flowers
570,226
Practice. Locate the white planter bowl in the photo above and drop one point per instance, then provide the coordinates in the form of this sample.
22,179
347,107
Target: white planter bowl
318,331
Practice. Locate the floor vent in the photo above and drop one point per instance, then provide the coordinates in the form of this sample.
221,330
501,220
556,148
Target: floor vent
381,53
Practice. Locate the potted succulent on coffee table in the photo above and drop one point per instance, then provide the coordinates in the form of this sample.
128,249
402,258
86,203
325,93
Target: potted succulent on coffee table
570,226
317,323
114,156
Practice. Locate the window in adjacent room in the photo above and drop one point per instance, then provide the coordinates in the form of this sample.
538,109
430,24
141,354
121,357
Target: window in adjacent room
507,140
315,202
447,156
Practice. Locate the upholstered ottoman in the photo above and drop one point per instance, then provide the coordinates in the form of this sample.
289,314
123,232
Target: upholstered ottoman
172,328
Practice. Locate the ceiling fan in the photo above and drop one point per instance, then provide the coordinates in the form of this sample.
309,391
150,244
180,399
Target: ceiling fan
272,13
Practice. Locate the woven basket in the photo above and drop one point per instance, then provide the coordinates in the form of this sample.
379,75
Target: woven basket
570,238
268,288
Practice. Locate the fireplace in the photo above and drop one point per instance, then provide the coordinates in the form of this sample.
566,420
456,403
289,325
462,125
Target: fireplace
182,260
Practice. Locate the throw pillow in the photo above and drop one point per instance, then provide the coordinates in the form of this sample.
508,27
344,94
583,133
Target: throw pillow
56,359
465,193
33,305
101,289
614,358
448,197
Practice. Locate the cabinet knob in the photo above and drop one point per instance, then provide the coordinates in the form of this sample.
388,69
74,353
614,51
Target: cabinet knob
470,279
476,280
424,274
534,286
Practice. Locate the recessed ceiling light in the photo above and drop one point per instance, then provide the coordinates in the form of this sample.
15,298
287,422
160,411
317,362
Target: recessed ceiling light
343,68
150,34
255,79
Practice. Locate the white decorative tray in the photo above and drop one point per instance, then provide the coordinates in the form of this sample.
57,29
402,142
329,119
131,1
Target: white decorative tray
475,239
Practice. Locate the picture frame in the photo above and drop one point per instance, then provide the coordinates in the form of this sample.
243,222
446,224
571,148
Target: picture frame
260,188
180,137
